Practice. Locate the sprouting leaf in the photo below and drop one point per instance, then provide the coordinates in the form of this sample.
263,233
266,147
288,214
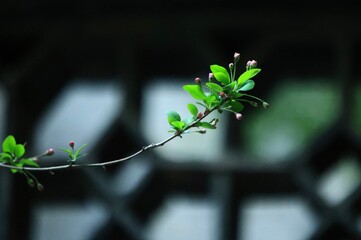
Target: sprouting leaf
5,157
19,150
77,153
195,91
233,106
248,85
27,162
214,87
173,116
207,125
178,125
211,101
231,86
220,73
9,144
193,109
247,75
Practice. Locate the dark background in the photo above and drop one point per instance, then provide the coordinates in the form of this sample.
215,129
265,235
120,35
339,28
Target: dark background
46,44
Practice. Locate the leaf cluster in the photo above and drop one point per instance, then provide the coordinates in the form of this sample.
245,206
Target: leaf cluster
223,92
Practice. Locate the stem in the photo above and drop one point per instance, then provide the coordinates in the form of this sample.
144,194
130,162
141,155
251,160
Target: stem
103,164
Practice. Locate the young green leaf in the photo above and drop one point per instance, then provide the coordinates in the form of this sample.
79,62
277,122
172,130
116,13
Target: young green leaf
27,162
173,116
214,87
247,75
77,153
195,91
207,125
192,109
233,106
178,125
220,73
9,144
19,150
248,85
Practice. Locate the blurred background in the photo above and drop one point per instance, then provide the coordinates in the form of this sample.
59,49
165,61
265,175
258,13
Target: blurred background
106,72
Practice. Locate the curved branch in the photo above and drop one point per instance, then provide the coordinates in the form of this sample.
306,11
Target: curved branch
103,164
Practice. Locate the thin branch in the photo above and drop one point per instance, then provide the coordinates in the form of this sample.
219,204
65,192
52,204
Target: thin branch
103,164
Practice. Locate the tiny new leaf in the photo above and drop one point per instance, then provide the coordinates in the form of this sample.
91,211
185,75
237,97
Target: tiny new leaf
192,109
247,75
220,73
9,144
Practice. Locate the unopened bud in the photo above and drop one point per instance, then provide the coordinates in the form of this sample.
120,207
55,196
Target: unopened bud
200,115
40,187
254,104
239,116
253,63
202,131
50,152
71,144
265,105
222,94
231,65
210,76
236,57
197,80
31,182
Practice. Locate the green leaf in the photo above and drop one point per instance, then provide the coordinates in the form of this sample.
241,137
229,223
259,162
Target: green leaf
220,73
231,86
173,116
207,125
211,101
193,109
248,85
233,106
27,162
195,91
178,125
214,87
247,75
19,150
5,157
77,153
9,144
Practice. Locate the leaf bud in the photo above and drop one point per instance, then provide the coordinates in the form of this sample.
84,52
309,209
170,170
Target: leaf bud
197,80
236,57
200,115
239,116
71,144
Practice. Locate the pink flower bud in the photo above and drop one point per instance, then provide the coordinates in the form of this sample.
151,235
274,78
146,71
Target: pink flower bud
71,144
50,152
200,115
236,57
210,76
197,80
239,116
253,63
222,94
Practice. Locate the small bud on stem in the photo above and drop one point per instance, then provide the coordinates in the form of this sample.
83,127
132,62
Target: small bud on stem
197,80
236,57
239,116
71,144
